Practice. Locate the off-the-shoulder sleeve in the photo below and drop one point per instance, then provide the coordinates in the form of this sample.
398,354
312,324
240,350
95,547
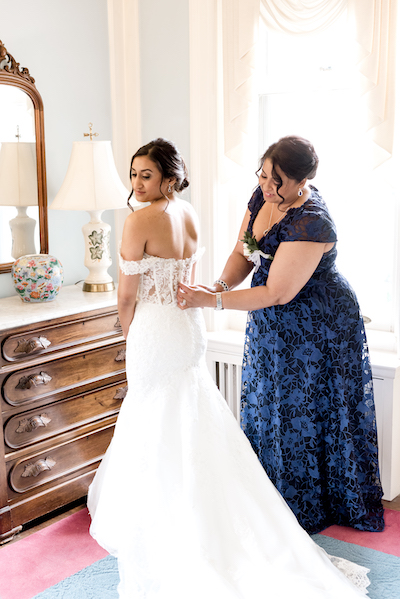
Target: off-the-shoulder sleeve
313,224
133,267
138,267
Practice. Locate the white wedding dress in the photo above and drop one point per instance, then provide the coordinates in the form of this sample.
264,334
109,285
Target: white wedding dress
180,498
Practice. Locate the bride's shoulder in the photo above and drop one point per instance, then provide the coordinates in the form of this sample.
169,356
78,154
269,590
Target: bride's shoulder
190,214
134,238
187,206
140,215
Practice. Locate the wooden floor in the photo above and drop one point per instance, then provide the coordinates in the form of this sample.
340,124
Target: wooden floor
81,504
392,505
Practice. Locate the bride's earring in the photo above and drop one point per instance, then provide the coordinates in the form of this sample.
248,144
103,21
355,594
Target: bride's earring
300,193
169,188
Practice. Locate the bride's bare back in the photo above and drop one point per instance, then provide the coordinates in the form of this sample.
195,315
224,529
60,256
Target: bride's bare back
166,227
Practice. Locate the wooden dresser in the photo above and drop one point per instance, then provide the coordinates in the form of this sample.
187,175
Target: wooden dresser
62,380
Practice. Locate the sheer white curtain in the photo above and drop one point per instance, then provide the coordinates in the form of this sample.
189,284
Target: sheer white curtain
239,22
375,23
123,31
301,16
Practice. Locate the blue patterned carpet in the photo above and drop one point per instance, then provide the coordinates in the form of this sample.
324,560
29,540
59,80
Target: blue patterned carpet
100,580
384,568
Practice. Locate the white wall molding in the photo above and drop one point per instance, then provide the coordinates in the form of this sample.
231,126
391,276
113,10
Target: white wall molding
204,134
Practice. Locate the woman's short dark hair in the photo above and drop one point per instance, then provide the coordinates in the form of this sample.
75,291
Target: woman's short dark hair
168,160
295,156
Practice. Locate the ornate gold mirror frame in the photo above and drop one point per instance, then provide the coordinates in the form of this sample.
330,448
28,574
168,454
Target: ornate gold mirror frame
12,74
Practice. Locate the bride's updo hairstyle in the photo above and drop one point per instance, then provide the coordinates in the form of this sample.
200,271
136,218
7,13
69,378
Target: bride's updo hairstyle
295,156
168,160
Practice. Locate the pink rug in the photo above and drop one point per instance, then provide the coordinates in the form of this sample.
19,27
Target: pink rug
37,562
41,560
387,541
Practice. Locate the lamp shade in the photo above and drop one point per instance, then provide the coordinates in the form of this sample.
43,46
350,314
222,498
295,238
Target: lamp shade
92,181
18,174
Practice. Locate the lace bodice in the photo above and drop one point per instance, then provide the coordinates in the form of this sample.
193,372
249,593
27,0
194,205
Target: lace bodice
160,276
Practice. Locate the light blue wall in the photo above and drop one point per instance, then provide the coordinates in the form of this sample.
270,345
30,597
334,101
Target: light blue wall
164,65
65,47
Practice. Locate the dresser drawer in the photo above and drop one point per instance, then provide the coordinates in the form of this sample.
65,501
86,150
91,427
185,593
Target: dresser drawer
22,430
20,346
62,382
61,460
63,377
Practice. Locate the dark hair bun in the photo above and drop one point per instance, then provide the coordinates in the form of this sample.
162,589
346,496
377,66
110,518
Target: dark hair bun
295,156
185,183
167,157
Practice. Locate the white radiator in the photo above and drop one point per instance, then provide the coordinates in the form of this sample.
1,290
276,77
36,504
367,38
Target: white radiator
224,361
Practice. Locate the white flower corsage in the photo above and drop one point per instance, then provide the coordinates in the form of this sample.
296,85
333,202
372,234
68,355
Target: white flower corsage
252,251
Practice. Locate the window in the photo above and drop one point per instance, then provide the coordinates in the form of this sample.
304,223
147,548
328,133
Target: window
307,87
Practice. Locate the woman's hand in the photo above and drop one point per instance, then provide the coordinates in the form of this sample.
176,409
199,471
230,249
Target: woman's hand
198,296
210,288
293,265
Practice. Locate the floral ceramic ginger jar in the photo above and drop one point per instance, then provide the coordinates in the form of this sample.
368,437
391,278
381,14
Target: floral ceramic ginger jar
37,277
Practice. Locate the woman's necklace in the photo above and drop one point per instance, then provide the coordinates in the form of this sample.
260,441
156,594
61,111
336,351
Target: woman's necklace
279,219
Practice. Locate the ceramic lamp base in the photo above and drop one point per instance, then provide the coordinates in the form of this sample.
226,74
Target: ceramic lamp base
97,253
22,234
98,286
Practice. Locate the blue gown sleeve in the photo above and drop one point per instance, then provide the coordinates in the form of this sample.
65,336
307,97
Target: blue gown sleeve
255,201
314,223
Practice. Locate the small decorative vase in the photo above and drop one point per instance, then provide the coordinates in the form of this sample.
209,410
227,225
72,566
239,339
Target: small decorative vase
37,277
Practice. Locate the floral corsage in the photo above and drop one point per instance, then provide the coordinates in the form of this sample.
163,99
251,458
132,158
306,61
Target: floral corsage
252,252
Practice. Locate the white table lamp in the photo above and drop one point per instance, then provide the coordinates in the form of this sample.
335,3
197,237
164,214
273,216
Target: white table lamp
93,184
19,188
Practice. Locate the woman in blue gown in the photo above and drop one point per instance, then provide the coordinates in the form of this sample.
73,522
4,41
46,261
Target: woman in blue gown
307,396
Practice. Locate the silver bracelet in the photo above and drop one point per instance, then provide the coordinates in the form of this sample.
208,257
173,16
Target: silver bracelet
224,285
219,305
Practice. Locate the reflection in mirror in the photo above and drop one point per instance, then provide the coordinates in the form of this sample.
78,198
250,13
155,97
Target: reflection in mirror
19,230
23,189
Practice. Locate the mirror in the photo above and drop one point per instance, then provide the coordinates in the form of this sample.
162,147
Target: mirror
23,191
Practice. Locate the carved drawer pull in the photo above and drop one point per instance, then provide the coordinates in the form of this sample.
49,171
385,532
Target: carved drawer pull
117,323
121,392
38,467
27,425
33,380
121,355
28,346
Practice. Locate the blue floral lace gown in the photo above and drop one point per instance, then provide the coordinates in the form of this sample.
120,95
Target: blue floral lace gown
307,397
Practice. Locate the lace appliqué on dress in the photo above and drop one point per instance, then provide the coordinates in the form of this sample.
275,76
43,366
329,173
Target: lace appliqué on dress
358,575
160,276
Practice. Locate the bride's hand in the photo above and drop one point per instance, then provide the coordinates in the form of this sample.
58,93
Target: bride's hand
195,297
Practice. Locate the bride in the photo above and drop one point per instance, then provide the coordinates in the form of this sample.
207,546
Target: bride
180,498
